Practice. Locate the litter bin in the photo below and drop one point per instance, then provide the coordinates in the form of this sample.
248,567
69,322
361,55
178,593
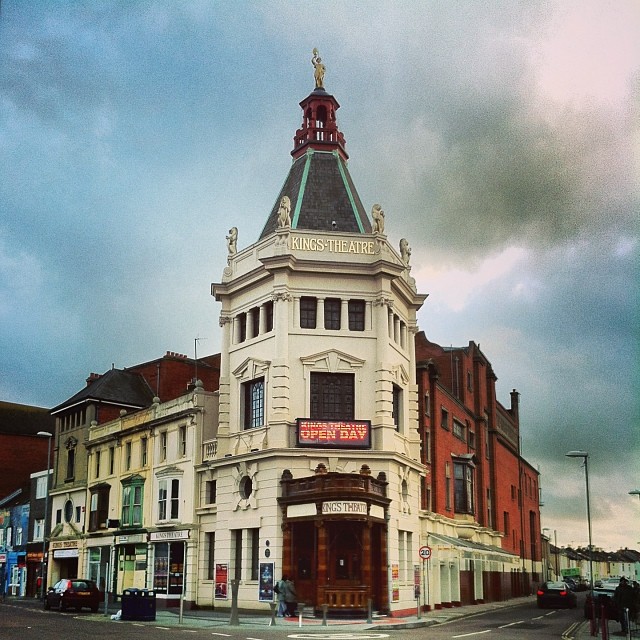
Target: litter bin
138,604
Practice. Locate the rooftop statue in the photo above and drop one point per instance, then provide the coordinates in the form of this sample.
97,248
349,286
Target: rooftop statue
318,74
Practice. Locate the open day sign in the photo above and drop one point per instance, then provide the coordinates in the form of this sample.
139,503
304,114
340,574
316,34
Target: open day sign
352,434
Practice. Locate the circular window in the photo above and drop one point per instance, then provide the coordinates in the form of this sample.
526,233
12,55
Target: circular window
246,487
68,511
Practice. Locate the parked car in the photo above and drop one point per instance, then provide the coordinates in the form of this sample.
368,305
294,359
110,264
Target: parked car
602,597
73,593
556,595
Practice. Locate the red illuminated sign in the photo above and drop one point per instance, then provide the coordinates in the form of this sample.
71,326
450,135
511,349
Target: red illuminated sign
352,434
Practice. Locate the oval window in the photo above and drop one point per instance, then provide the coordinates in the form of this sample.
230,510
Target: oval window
246,487
68,511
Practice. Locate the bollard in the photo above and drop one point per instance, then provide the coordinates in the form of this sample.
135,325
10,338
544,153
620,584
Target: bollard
369,611
325,608
234,620
274,608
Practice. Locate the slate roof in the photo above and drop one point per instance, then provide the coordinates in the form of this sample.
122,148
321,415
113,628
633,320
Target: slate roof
25,420
322,192
116,386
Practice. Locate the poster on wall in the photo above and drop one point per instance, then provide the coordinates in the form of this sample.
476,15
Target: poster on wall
222,577
395,583
416,581
265,587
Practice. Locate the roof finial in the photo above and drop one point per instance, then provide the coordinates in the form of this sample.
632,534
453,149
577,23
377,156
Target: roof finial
318,74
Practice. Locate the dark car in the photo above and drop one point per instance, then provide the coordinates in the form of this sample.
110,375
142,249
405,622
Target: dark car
73,593
556,595
601,602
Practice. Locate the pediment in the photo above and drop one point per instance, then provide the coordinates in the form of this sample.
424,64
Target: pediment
251,368
332,361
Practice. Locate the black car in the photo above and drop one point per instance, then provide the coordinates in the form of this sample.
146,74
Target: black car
601,601
556,595
73,593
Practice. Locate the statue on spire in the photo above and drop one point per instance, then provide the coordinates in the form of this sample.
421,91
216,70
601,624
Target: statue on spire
318,74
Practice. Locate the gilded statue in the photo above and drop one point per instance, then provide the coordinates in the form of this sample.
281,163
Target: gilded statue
318,73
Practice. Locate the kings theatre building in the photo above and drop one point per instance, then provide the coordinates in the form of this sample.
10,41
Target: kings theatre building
315,464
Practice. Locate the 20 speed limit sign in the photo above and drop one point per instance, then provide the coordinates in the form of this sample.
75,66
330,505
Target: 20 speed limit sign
424,552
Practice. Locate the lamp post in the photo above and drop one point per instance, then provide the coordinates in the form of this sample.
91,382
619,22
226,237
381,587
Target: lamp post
585,456
44,566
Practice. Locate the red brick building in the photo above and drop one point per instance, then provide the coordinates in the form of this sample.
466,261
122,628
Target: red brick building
471,448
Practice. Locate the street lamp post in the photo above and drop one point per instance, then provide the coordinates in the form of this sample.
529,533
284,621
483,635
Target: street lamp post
585,456
44,566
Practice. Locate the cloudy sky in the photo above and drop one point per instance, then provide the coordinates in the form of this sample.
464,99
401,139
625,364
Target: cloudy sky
498,136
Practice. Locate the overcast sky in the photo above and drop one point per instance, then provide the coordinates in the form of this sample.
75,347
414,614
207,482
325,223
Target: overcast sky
497,135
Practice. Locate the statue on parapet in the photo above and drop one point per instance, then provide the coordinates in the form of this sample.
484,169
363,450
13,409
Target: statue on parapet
377,214
284,213
405,251
232,242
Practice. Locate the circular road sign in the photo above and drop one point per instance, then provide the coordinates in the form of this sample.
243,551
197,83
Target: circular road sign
425,552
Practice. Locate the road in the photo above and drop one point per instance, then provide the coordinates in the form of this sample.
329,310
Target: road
525,622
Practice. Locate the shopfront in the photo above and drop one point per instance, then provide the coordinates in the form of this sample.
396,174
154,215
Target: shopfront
169,552
335,539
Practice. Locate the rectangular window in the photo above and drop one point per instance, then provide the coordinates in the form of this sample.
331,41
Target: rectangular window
38,530
132,505
254,316
463,488
41,487
308,313
253,403
427,405
211,555
97,467
397,407
112,460
58,516
489,522
459,430
99,508
506,522
255,552
127,456
332,396
182,444
144,443
356,315
71,464
332,308
163,446
447,486
242,327
268,316
236,539
210,489
444,419
168,499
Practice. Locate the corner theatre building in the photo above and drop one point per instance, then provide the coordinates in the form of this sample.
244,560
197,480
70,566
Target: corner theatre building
316,469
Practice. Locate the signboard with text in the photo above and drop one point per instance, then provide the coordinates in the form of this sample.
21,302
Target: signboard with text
334,434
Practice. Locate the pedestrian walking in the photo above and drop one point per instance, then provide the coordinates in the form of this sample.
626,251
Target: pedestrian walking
290,598
280,590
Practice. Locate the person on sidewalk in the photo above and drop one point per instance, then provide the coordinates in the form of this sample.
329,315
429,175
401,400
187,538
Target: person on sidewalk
290,598
280,589
624,597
